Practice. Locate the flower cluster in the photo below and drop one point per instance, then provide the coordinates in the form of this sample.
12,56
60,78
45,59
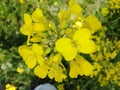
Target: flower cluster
105,59
50,45
112,74
114,4
112,7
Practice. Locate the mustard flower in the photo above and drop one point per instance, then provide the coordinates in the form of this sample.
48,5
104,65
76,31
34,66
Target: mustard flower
20,70
33,24
56,72
31,55
60,87
48,43
10,87
81,38
104,11
21,1
80,66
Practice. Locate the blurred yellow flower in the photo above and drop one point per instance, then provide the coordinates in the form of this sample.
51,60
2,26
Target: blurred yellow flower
60,87
41,1
63,16
76,10
10,87
20,70
104,11
21,1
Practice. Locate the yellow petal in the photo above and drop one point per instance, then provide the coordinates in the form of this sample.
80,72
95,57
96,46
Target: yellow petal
35,39
59,77
74,69
76,10
71,2
82,34
65,46
30,61
20,70
41,71
87,46
40,59
25,51
26,30
93,23
38,27
63,15
56,72
37,49
38,16
52,73
57,57
83,41
27,19
85,67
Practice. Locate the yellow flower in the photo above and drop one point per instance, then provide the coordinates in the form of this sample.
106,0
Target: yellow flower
104,11
38,16
20,70
21,1
80,66
41,22
85,67
65,46
10,87
31,55
66,15
63,16
60,87
82,38
93,23
41,1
